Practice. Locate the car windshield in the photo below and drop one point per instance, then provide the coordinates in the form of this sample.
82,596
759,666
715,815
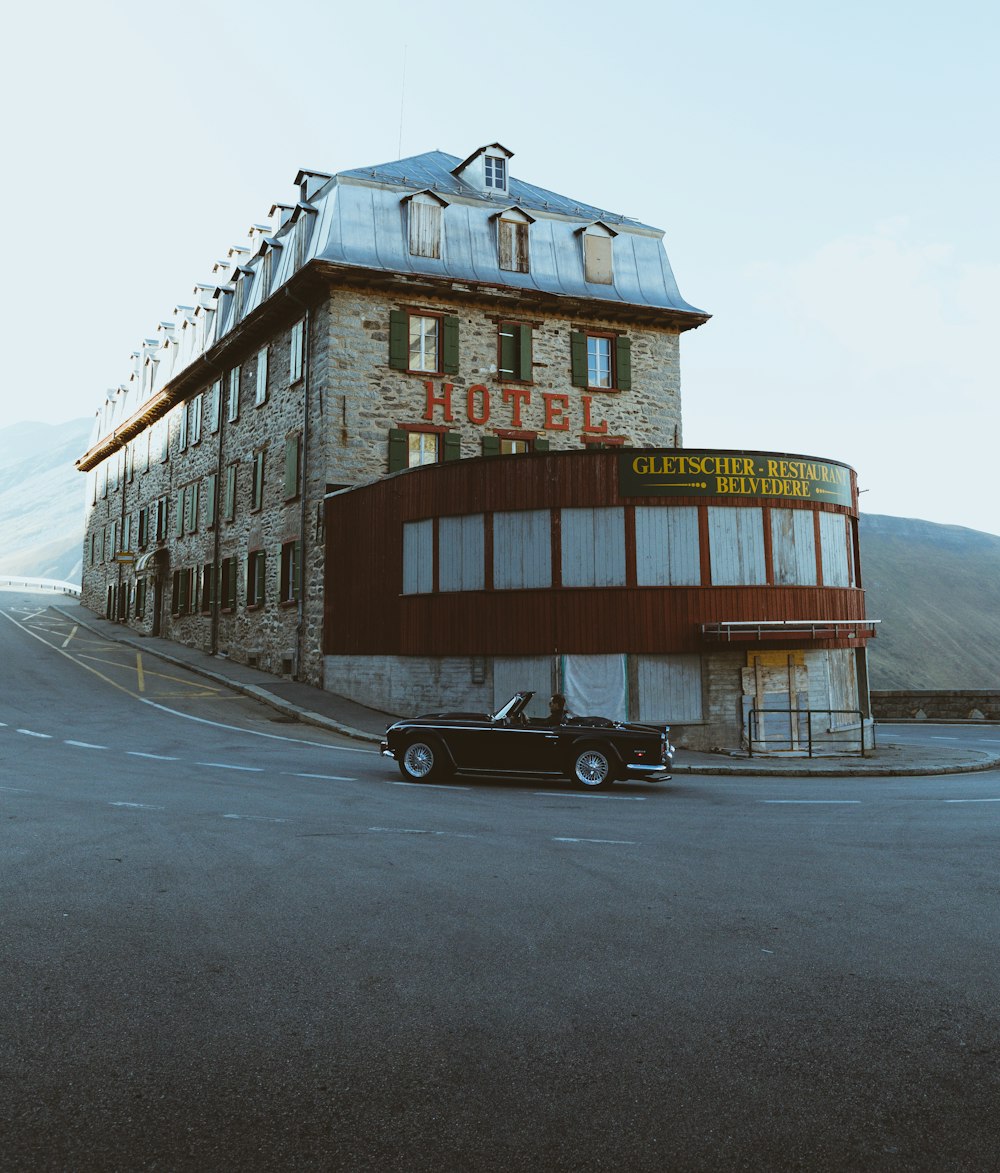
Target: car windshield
516,703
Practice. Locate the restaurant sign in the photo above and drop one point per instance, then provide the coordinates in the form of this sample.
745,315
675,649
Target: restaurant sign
688,473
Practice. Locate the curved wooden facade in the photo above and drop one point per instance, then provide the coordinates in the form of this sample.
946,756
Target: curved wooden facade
368,613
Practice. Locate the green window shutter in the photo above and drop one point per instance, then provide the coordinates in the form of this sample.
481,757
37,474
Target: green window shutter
231,585
491,445
541,444
291,466
449,353
193,506
211,483
297,570
578,358
524,352
399,449
399,339
179,518
230,507
451,446
508,351
624,371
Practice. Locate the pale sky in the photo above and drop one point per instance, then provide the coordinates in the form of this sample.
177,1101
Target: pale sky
826,175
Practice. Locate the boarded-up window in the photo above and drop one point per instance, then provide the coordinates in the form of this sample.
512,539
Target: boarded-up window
736,544
793,546
418,557
670,689
512,241
522,550
593,547
666,546
424,218
833,546
597,255
460,553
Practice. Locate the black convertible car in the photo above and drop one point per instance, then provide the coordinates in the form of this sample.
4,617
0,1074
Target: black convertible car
592,751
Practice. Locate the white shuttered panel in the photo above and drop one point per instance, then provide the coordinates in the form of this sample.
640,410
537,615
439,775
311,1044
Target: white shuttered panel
833,544
460,553
418,557
793,546
669,689
736,542
522,550
666,546
593,547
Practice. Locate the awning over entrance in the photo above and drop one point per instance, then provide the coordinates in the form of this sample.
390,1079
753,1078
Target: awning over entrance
753,631
145,563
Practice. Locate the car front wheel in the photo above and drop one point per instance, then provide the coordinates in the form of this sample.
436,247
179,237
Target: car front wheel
421,761
592,769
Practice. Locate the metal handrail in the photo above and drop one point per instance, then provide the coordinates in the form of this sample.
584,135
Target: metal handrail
857,740
54,585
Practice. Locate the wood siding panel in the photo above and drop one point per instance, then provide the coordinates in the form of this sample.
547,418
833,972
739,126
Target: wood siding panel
593,547
667,550
670,689
736,542
833,544
461,553
522,549
794,547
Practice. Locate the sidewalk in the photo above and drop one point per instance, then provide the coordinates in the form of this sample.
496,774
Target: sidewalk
341,715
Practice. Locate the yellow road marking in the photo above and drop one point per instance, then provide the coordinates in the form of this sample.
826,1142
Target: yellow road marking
138,671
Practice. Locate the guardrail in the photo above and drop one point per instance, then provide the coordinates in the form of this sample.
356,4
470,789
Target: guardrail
793,731
53,586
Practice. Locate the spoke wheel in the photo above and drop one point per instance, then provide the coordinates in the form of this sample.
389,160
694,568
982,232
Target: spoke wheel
592,768
419,762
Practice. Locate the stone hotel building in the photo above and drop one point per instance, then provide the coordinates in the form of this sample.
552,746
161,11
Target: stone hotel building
418,440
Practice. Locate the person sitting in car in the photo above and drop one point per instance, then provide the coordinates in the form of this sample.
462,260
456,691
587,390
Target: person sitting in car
558,713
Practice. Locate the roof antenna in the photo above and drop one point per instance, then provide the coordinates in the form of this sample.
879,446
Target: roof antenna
402,97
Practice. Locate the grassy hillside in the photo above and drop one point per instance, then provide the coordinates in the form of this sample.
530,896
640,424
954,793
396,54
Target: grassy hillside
937,590
42,499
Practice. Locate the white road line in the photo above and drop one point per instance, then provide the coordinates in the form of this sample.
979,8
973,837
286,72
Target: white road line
70,636
32,733
621,842
428,785
322,777
156,757
938,737
970,800
583,794
990,740
810,801
255,818
85,745
227,766
137,806
419,831
14,790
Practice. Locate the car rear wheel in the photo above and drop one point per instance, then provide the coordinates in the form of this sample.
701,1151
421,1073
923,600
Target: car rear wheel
592,768
422,760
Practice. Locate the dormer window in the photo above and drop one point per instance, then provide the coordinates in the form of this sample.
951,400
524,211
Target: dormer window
597,266
512,240
424,213
495,172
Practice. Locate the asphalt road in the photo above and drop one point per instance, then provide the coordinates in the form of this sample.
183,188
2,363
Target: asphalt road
232,942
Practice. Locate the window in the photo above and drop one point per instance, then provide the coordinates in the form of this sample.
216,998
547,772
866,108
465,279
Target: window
258,479
667,550
291,572
601,362
302,230
182,428
260,395
240,297
194,424
514,444
293,449
265,274
127,532
207,586
191,516
256,569
114,539
461,553
234,394
227,593
736,545
183,600
411,447
296,353
423,342
597,254
514,352
512,244
161,519
424,218
522,549
215,406
593,547
229,504
93,549
140,598
495,172
211,486
143,533
418,557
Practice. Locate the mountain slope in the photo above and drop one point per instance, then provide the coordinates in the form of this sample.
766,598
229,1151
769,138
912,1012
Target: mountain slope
42,499
937,590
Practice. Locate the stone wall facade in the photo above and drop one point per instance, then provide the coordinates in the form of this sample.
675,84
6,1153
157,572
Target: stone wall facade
929,705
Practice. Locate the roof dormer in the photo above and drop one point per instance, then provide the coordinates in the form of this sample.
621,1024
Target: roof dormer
309,183
486,170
